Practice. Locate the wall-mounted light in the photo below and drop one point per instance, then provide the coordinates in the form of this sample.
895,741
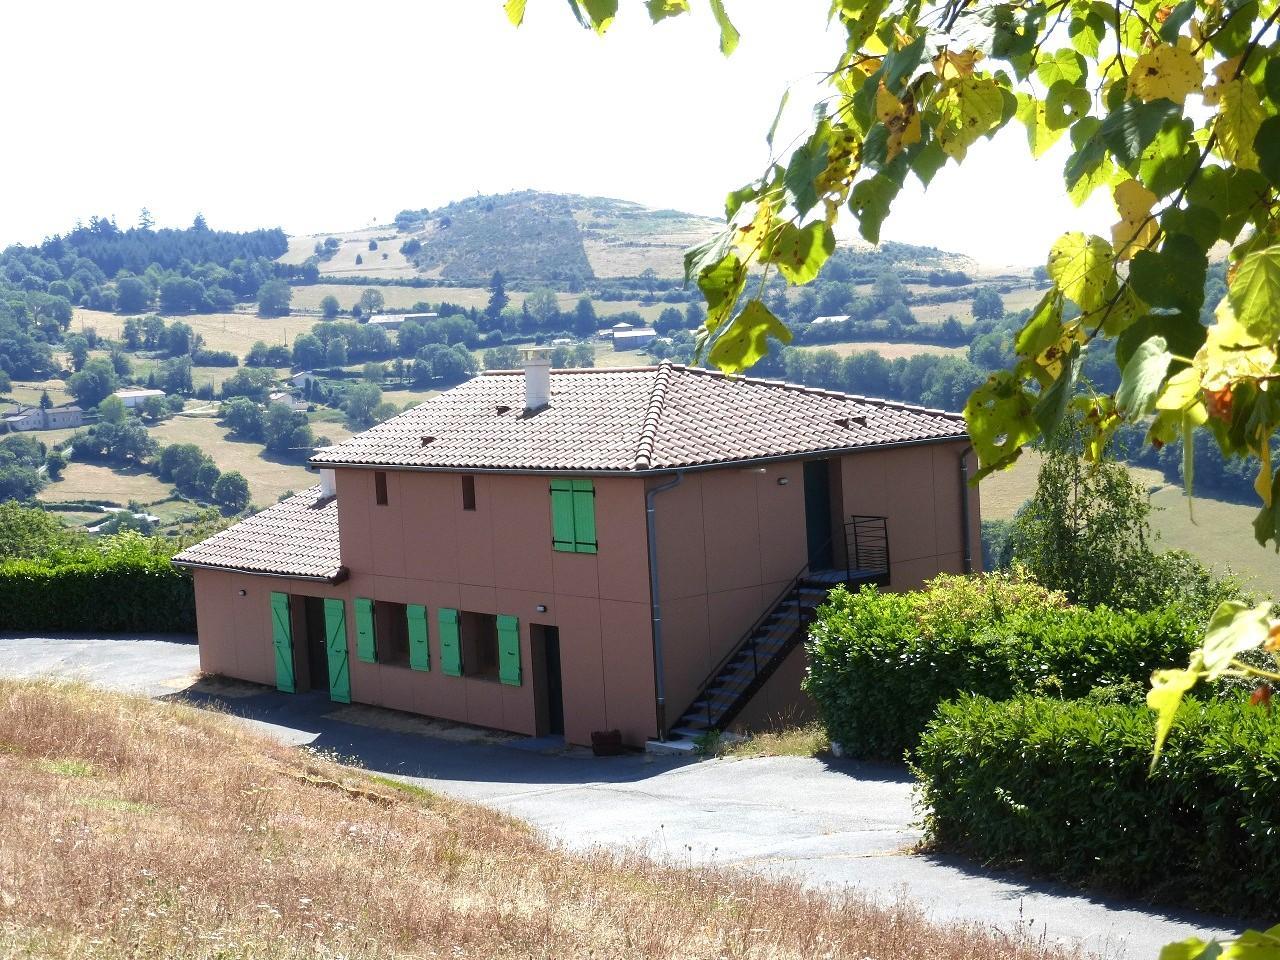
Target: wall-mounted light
783,481
541,608
244,593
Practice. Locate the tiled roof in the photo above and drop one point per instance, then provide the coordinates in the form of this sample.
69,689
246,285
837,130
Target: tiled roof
298,537
633,420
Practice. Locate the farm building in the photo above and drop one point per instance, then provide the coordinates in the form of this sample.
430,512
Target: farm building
633,338
574,551
304,380
393,321
35,418
137,396
290,400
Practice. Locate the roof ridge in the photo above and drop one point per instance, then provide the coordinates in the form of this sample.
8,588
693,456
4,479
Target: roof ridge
653,414
645,368
825,392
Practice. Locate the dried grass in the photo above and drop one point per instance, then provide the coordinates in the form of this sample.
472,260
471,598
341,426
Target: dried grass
784,740
135,829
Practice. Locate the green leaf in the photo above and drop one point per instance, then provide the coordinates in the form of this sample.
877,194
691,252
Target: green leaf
1044,328
1040,136
1199,223
1210,190
777,117
926,159
1267,146
1183,333
1178,16
1064,105
734,201
702,255
1086,33
1246,191
869,201
1266,525
601,13
1233,628
1089,154
1164,697
1084,269
1064,65
1130,128
901,63
661,9
1142,378
1255,294
1271,80
515,11
1000,419
807,164
800,252
1054,401
1169,160
970,109
1171,277
745,340
721,283
728,32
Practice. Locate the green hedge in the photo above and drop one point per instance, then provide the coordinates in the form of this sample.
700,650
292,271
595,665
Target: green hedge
131,590
881,663
1062,788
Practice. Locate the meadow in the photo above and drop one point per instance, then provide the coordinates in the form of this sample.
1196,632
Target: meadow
94,481
890,351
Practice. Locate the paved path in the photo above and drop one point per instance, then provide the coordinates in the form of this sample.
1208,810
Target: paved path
829,822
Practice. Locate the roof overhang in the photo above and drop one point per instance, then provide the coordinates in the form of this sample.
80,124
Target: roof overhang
338,576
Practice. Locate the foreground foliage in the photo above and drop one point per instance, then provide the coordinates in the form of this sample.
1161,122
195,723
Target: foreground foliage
1062,788
145,830
881,663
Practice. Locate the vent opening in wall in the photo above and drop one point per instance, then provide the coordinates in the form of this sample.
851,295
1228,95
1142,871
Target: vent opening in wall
468,493
380,487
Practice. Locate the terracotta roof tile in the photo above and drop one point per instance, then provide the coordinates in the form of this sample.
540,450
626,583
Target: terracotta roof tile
298,537
633,420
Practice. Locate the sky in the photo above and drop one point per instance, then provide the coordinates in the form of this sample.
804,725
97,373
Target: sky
327,116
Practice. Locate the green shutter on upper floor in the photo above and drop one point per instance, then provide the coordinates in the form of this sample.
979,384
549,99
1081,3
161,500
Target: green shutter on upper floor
419,647
282,641
366,640
562,531
335,644
584,516
509,649
450,643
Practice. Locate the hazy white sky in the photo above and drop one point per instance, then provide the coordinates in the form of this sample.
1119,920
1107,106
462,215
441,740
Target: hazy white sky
323,116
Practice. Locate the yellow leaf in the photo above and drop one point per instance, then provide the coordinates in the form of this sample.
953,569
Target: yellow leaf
1166,72
1084,269
970,108
1240,114
887,105
1180,391
951,66
901,119
1263,482
1167,690
1137,229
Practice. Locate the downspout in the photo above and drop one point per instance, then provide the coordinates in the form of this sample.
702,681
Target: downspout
966,536
659,684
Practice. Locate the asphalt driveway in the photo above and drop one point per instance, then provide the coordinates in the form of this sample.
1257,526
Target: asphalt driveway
828,822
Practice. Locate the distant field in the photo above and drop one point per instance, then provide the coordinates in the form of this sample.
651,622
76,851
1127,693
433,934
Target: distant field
962,309
890,351
92,481
28,392
1222,534
267,478
221,331
348,295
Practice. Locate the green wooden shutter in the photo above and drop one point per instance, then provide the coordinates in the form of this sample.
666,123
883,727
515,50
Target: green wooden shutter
509,650
335,644
562,531
282,640
419,650
450,647
584,516
366,641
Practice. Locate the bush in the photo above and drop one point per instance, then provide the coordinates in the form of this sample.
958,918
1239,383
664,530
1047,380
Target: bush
214,358
127,584
881,663
1062,788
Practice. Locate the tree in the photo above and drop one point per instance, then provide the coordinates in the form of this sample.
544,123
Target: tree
335,352
78,347
329,307
96,380
308,352
359,402
498,298
244,418
231,491
585,322
543,306
987,305
669,321
274,298
374,372
133,295
45,402
111,410
179,339
154,409
31,533
373,244
282,429
371,301
359,259
54,464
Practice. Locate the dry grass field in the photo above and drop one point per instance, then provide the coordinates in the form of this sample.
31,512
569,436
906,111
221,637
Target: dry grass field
268,478
890,351
93,481
1014,300
1221,534
28,392
348,295
155,830
236,332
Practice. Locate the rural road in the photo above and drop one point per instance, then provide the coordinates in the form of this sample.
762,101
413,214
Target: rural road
827,822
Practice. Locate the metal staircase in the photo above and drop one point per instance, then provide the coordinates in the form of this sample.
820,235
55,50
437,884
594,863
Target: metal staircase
753,660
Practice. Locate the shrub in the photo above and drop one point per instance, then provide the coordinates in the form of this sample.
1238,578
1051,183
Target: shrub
127,584
214,358
1062,788
880,663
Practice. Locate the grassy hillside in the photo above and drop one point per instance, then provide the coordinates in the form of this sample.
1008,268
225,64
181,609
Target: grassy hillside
146,830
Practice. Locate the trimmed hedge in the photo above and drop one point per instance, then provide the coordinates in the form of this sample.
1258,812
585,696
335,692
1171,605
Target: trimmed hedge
1062,788
881,663
122,590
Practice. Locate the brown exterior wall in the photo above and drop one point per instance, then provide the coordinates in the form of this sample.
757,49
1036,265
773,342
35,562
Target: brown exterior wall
422,547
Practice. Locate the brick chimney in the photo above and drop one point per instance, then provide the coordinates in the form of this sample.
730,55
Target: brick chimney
537,378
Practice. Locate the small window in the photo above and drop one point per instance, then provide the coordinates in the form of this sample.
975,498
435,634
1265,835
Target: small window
573,516
479,645
468,493
380,487
391,627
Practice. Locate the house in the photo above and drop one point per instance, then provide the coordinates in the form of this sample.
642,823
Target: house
632,338
835,318
304,381
293,402
634,549
393,321
35,418
136,397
